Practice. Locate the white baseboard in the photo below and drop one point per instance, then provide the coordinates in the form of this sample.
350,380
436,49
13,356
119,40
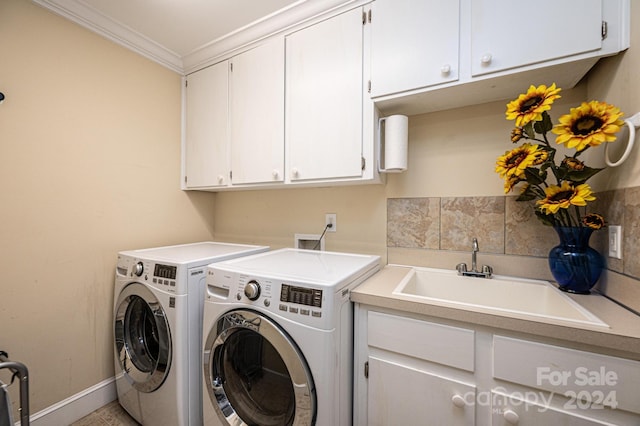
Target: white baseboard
76,406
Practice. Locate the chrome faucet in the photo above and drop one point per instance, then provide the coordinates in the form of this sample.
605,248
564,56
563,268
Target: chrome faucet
487,271
474,254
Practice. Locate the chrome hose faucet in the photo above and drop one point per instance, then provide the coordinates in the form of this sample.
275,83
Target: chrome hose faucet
487,271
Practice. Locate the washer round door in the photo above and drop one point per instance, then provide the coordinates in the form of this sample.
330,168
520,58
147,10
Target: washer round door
142,338
255,374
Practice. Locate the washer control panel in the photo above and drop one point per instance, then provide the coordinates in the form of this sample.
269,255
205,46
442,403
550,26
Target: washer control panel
159,275
309,304
164,275
301,295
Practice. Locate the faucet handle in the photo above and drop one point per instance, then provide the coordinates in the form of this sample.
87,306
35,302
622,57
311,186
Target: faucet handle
461,268
487,270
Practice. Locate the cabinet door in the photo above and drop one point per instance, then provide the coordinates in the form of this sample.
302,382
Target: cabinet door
206,135
257,114
324,99
399,395
414,44
511,33
510,409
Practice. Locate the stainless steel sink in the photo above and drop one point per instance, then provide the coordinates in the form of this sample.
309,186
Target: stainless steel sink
515,297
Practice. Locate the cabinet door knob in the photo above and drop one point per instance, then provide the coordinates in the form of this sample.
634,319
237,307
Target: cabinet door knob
275,173
220,179
295,172
486,59
445,69
458,401
511,417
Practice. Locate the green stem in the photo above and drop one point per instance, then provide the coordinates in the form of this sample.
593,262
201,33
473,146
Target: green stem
578,215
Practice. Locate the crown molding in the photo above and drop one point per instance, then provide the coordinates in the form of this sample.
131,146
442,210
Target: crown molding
88,17
283,21
288,18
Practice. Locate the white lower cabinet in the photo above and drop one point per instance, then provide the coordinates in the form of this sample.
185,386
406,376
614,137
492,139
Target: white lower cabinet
401,395
410,370
537,383
514,410
410,382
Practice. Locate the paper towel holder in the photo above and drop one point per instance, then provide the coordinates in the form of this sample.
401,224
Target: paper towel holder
396,141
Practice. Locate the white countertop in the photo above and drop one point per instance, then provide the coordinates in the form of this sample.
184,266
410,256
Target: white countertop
622,338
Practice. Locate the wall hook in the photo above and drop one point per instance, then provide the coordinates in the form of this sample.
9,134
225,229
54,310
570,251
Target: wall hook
632,122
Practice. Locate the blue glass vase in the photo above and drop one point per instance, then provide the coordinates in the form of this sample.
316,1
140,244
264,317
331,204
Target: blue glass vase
574,265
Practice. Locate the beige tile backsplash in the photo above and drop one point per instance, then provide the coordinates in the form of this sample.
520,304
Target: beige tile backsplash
504,226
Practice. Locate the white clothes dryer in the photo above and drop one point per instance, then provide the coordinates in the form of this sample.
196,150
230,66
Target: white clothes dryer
158,329
278,338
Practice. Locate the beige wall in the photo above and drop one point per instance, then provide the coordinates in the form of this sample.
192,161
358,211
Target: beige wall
89,140
89,165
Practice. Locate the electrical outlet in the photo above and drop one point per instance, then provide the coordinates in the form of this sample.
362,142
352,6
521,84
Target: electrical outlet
615,241
331,219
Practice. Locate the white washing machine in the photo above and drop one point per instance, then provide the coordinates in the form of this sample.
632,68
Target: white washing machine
158,329
278,338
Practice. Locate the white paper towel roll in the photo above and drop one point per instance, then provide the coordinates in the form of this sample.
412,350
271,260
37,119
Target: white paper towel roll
396,141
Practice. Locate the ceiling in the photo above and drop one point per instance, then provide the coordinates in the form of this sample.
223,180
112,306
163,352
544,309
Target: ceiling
166,30
182,26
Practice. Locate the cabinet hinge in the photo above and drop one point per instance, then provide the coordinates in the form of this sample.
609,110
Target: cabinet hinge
603,30
231,66
369,86
186,83
364,163
230,174
366,369
366,17
185,179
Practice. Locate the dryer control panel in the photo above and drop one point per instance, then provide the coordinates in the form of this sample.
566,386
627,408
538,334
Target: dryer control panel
301,295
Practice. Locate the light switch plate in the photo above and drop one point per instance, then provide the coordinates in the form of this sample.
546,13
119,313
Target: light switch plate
615,241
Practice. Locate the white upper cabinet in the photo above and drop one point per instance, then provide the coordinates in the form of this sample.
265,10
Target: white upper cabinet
432,55
324,99
235,120
298,105
256,104
414,44
512,33
206,159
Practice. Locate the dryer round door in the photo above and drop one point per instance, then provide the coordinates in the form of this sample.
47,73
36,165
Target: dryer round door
142,338
255,374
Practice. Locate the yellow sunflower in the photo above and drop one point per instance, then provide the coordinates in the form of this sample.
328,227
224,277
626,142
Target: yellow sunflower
564,196
590,124
516,134
510,182
530,106
514,162
593,221
573,164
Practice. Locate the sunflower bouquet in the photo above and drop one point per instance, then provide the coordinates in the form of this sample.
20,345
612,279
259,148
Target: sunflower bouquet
560,189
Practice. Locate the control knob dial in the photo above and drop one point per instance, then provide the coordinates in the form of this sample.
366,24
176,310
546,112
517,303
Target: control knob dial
252,290
138,269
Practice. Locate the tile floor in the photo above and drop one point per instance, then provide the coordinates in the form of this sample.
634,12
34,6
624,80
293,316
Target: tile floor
111,414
